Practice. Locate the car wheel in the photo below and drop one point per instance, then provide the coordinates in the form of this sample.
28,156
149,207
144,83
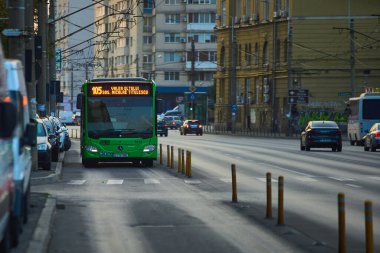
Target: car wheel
333,149
201,134
184,133
365,147
55,155
47,165
160,135
307,148
339,149
16,229
302,147
87,163
352,143
148,163
373,149
166,135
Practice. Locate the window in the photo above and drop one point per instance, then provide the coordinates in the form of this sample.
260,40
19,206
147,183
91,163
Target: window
202,37
172,18
201,1
147,58
266,9
172,37
203,56
147,24
171,76
265,54
202,76
202,18
170,2
147,39
172,57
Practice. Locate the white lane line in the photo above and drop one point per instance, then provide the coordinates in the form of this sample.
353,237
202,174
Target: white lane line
192,181
374,178
291,171
354,185
342,179
306,179
76,182
151,181
115,181
264,179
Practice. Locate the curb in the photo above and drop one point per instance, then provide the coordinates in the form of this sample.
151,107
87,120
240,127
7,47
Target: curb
52,177
41,235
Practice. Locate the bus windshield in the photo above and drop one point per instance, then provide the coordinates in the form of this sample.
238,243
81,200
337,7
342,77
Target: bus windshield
120,117
371,109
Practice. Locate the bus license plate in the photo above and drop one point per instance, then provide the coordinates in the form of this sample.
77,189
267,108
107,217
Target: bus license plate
120,155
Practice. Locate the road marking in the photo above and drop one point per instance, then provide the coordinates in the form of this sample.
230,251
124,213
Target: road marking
374,178
306,179
280,168
354,185
115,181
76,182
192,181
342,179
151,181
264,179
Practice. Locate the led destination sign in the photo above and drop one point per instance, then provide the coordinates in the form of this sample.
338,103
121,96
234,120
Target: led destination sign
110,90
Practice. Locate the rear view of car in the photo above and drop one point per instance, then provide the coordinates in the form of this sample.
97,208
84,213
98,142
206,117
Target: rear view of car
162,128
43,146
191,127
321,134
372,138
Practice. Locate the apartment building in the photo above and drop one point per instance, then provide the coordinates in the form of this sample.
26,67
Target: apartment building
138,38
280,60
74,51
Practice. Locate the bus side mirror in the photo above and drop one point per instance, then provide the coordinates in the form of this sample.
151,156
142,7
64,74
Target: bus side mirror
7,119
79,101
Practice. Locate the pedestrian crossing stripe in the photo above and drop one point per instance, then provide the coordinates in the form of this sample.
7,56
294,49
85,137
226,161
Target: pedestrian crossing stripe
151,181
374,178
306,179
76,182
342,179
192,181
115,181
264,179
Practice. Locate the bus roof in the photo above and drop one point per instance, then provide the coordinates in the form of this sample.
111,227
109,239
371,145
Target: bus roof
366,95
128,79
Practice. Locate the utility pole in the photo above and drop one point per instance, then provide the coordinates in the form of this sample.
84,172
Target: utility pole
42,61
72,88
233,72
192,88
29,67
52,59
352,58
16,10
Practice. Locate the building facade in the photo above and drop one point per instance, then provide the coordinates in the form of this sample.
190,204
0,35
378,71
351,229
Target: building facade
137,38
280,60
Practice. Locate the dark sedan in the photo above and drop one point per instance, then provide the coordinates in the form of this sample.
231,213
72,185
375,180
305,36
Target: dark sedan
191,127
372,138
321,134
162,128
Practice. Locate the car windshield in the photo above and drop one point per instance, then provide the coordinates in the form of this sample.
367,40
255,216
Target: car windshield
40,130
324,124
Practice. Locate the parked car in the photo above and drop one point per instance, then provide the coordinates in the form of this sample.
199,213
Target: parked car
23,139
174,122
372,139
162,128
7,126
321,134
76,118
44,146
191,127
53,138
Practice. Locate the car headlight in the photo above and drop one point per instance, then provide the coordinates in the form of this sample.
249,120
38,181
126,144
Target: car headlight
91,149
149,148
42,146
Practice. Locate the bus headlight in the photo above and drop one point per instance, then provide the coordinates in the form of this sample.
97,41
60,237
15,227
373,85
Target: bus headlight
91,149
149,148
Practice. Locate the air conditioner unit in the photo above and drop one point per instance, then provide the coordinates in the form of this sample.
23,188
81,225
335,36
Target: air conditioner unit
183,40
184,19
183,58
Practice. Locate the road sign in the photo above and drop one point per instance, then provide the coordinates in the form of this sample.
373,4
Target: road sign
298,100
192,96
12,32
298,93
192,88
233,109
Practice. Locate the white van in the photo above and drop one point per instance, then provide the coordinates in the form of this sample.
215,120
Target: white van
24,137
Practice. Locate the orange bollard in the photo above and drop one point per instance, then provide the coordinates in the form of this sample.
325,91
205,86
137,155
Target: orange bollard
269,196
172,157
368,227
179,160
167,155
280,218
234,188
341,223
160,153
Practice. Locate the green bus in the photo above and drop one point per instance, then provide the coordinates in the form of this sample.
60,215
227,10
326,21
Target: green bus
118,121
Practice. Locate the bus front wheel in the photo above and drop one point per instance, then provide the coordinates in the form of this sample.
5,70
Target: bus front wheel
88,163
148,162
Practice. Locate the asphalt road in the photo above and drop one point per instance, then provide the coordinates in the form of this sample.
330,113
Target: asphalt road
129,209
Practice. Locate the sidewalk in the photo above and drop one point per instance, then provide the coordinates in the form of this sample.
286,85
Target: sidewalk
36,233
